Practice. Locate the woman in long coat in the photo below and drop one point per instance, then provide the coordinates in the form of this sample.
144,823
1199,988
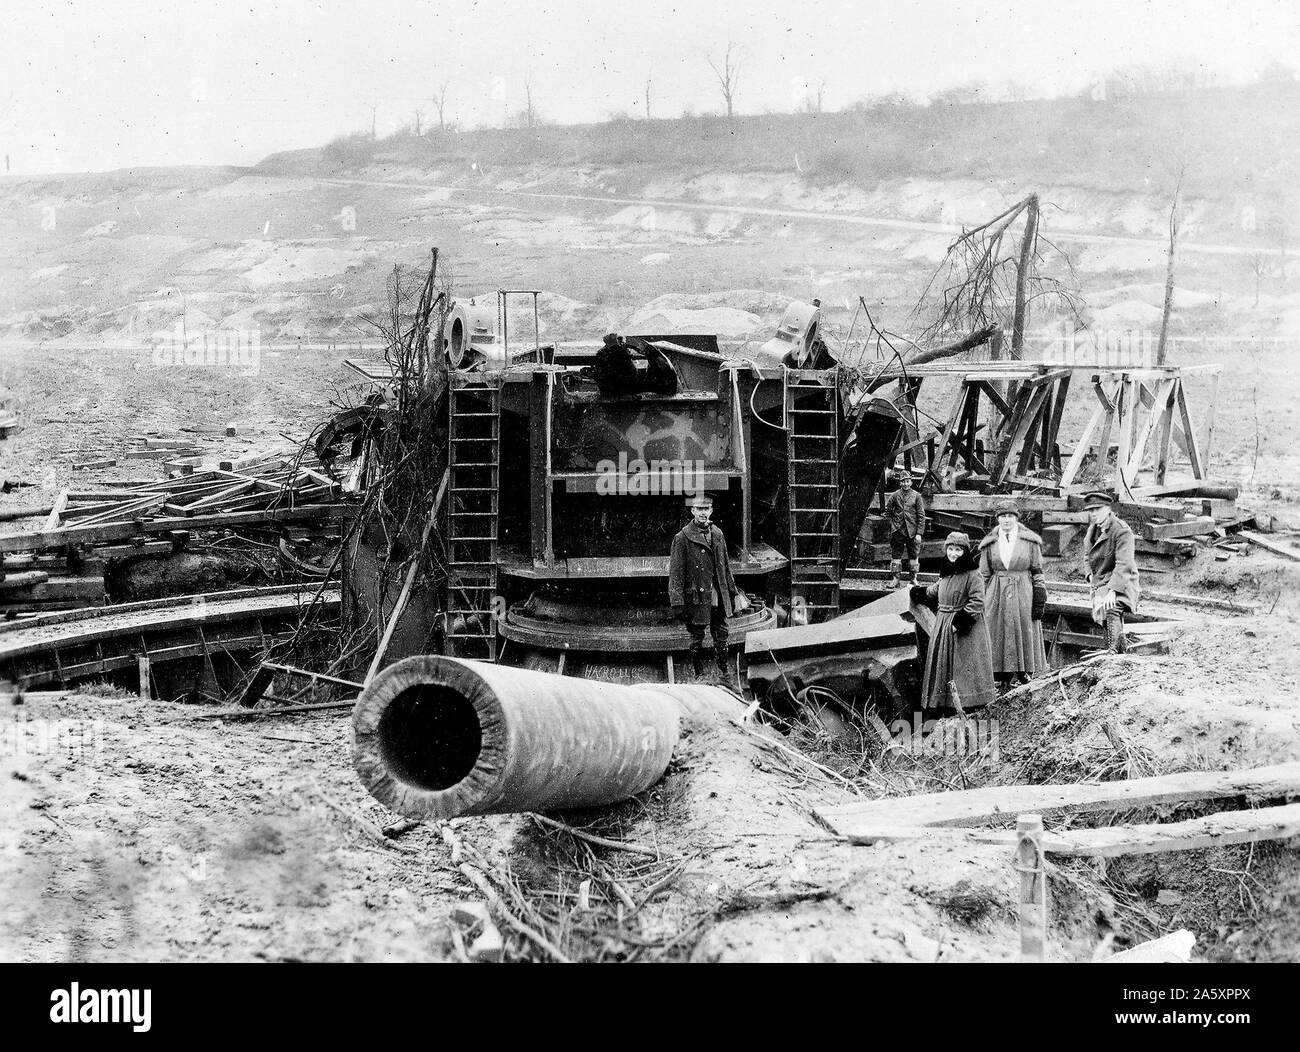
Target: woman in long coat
1015,596
959,663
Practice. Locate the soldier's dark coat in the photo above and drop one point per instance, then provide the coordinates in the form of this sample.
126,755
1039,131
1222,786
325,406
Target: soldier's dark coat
1112,562
699,574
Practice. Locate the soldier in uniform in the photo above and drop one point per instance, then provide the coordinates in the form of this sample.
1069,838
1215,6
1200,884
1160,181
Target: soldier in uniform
1112,568
701,589
905,514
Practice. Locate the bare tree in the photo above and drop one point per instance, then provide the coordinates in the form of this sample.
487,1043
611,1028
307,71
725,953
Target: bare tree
440,104
728,77
1175,220
374,117
530,114
419,117
812,97
647,94
990,273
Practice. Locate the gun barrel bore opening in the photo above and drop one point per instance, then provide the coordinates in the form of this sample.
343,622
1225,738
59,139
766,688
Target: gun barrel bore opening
429,736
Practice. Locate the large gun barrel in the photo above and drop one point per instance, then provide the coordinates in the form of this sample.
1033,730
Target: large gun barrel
437,737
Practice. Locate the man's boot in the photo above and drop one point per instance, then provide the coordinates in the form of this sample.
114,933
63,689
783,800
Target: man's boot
720,656
908,575
895,568
697,659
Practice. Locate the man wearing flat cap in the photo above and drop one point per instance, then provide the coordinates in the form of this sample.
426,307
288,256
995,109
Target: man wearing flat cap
905,514
1112,568
701,588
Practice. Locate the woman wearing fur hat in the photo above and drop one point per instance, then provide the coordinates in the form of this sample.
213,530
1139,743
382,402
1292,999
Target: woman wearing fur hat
1015,595
959,664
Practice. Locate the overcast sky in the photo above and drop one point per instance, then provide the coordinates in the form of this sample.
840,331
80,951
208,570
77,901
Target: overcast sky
115,83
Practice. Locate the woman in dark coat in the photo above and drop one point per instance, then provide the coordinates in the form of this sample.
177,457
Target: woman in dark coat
959,663
1015,596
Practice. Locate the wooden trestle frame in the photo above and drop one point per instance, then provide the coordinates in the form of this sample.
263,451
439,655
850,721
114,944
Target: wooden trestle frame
1143,411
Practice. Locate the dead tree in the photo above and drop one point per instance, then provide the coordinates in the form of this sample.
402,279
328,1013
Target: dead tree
419,117
530,114
440,104
991,276
728,77
647,96
1175,221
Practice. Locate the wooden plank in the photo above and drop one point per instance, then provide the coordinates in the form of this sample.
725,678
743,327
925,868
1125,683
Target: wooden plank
1077,588
1162,531
1081,449
1133,464
1164,432
983,502
973,806
25,513
1209,831
1190,445
1267,545
116,531
23,579
257,684
56,511
1216,830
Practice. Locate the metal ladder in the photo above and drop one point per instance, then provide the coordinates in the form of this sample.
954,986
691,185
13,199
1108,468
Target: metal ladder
474,473
813,478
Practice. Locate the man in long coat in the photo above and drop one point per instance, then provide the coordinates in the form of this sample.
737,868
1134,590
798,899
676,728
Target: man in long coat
958,664
1015,595
1112,569
701,588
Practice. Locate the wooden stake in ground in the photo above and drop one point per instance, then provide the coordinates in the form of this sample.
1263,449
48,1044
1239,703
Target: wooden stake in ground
1033,888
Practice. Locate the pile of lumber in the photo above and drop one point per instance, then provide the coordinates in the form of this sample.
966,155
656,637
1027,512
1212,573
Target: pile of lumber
1171,523
61,564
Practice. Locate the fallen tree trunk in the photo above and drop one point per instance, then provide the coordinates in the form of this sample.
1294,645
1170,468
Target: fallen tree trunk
437,737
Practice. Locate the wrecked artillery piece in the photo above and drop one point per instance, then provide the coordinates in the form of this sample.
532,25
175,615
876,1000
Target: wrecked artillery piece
437,737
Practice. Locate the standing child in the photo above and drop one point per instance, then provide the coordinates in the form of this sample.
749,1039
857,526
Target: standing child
905,513
959,663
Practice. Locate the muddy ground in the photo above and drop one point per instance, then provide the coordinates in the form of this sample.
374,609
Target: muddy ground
139,829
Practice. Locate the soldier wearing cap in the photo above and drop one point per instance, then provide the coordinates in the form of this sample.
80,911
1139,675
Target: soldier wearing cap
701,588
905,513
1015,595
1112,568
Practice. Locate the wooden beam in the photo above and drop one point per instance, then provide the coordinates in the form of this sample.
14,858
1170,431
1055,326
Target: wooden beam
1163,433
1216,830
1133,464
983,502
972,806
1209,831
1190,445
1075,462
1267,545
1164,531
56,511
